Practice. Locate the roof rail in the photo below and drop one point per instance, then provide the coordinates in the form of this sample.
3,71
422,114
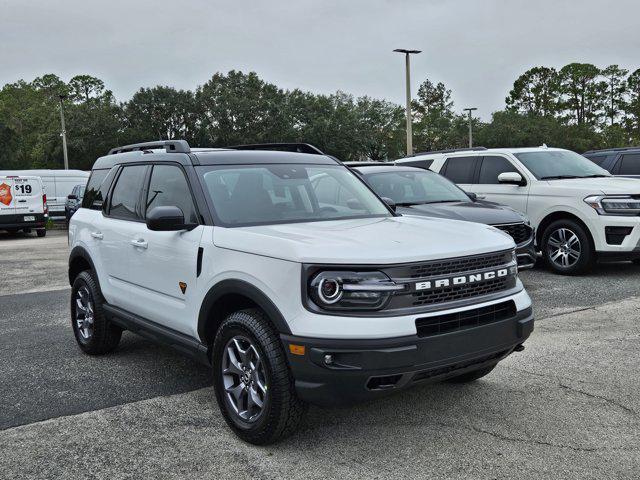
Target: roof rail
619,149
451,150
284,147
171,146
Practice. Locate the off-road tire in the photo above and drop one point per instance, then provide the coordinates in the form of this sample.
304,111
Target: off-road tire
105,336
283,411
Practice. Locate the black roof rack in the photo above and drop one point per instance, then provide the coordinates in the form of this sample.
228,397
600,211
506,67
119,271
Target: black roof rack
284,147
451,150
171,146
355,164
620,149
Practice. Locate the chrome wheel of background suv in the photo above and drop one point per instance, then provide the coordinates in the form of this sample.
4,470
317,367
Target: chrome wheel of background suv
244,378
564,247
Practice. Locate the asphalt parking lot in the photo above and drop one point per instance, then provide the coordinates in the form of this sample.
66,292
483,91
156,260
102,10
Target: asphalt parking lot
567,407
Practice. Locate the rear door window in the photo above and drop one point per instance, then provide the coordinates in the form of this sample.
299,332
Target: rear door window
630,164
491,167
125,198
460,169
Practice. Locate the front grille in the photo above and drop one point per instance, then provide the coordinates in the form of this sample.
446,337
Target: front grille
477,317
457,292
518,231
463,264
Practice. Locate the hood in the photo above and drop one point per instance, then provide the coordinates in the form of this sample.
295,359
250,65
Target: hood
480,212
603,185
365,241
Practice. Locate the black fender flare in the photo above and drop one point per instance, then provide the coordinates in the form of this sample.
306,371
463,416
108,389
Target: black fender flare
76,252
240,287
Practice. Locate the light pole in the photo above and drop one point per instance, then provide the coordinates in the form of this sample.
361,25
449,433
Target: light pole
470,127
408,80
64,133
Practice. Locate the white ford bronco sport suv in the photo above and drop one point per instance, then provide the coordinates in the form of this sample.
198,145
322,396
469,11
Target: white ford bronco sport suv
228,255
580,211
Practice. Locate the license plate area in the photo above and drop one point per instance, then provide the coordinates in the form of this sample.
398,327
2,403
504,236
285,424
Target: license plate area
29,218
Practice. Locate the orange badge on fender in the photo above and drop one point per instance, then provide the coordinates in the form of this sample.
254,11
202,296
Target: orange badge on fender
183,286
5,194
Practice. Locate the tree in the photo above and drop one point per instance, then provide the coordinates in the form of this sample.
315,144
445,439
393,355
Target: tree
616,91
582,93
535,92
433,116
161,113
85,87
632,108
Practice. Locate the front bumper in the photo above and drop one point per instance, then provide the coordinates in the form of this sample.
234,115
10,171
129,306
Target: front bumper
361,370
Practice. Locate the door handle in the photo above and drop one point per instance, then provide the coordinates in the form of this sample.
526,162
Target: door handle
139,243
97,235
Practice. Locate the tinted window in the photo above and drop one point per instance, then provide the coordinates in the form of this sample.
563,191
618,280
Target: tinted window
169,187
492,167
125,198
460,169
271,194
597,159
96,190
630,164
417,163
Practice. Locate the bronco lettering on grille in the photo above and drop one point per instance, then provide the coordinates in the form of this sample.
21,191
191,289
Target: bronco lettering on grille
461,279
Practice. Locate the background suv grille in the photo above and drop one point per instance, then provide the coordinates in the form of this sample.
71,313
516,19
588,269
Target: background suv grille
518,231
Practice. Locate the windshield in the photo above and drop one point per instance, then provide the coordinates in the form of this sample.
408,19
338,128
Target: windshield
415,187
270,194
558,164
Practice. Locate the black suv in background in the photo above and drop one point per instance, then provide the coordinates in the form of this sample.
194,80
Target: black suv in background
624,162
416,191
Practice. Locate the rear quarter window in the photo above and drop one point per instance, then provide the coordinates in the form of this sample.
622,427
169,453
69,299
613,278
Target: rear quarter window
97,188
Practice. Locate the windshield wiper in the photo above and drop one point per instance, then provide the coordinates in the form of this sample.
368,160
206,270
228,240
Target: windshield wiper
560,177
597,175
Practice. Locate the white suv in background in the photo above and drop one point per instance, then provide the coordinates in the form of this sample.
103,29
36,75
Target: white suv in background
290,297
23,204
581,212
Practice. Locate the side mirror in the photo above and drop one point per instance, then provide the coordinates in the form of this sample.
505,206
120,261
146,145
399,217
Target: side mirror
511,178
167,219
390,203
72,197
472,196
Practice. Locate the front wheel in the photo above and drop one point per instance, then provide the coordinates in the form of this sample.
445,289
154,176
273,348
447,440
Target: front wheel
253,384
567,248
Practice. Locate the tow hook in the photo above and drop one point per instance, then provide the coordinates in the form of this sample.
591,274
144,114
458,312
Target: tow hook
519,348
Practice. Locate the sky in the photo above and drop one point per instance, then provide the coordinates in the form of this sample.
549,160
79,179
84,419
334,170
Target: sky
477,48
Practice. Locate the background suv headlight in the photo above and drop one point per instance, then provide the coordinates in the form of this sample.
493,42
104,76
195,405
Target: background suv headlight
614,205
343,290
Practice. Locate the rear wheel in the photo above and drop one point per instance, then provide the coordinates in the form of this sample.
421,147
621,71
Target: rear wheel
253,384
41,232
472,376
94,333
567,248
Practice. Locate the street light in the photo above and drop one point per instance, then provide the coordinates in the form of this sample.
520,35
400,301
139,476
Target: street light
470,127
408,79
64,133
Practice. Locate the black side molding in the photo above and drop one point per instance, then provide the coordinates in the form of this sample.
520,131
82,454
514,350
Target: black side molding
158,333
199,261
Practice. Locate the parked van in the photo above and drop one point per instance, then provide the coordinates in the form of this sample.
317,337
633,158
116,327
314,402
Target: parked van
58,184
23,204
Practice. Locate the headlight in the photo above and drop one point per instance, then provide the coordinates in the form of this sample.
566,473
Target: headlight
335,290
620,205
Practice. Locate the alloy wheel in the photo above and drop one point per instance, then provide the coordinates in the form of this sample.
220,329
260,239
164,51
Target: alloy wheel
564,247
244,379
84,313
